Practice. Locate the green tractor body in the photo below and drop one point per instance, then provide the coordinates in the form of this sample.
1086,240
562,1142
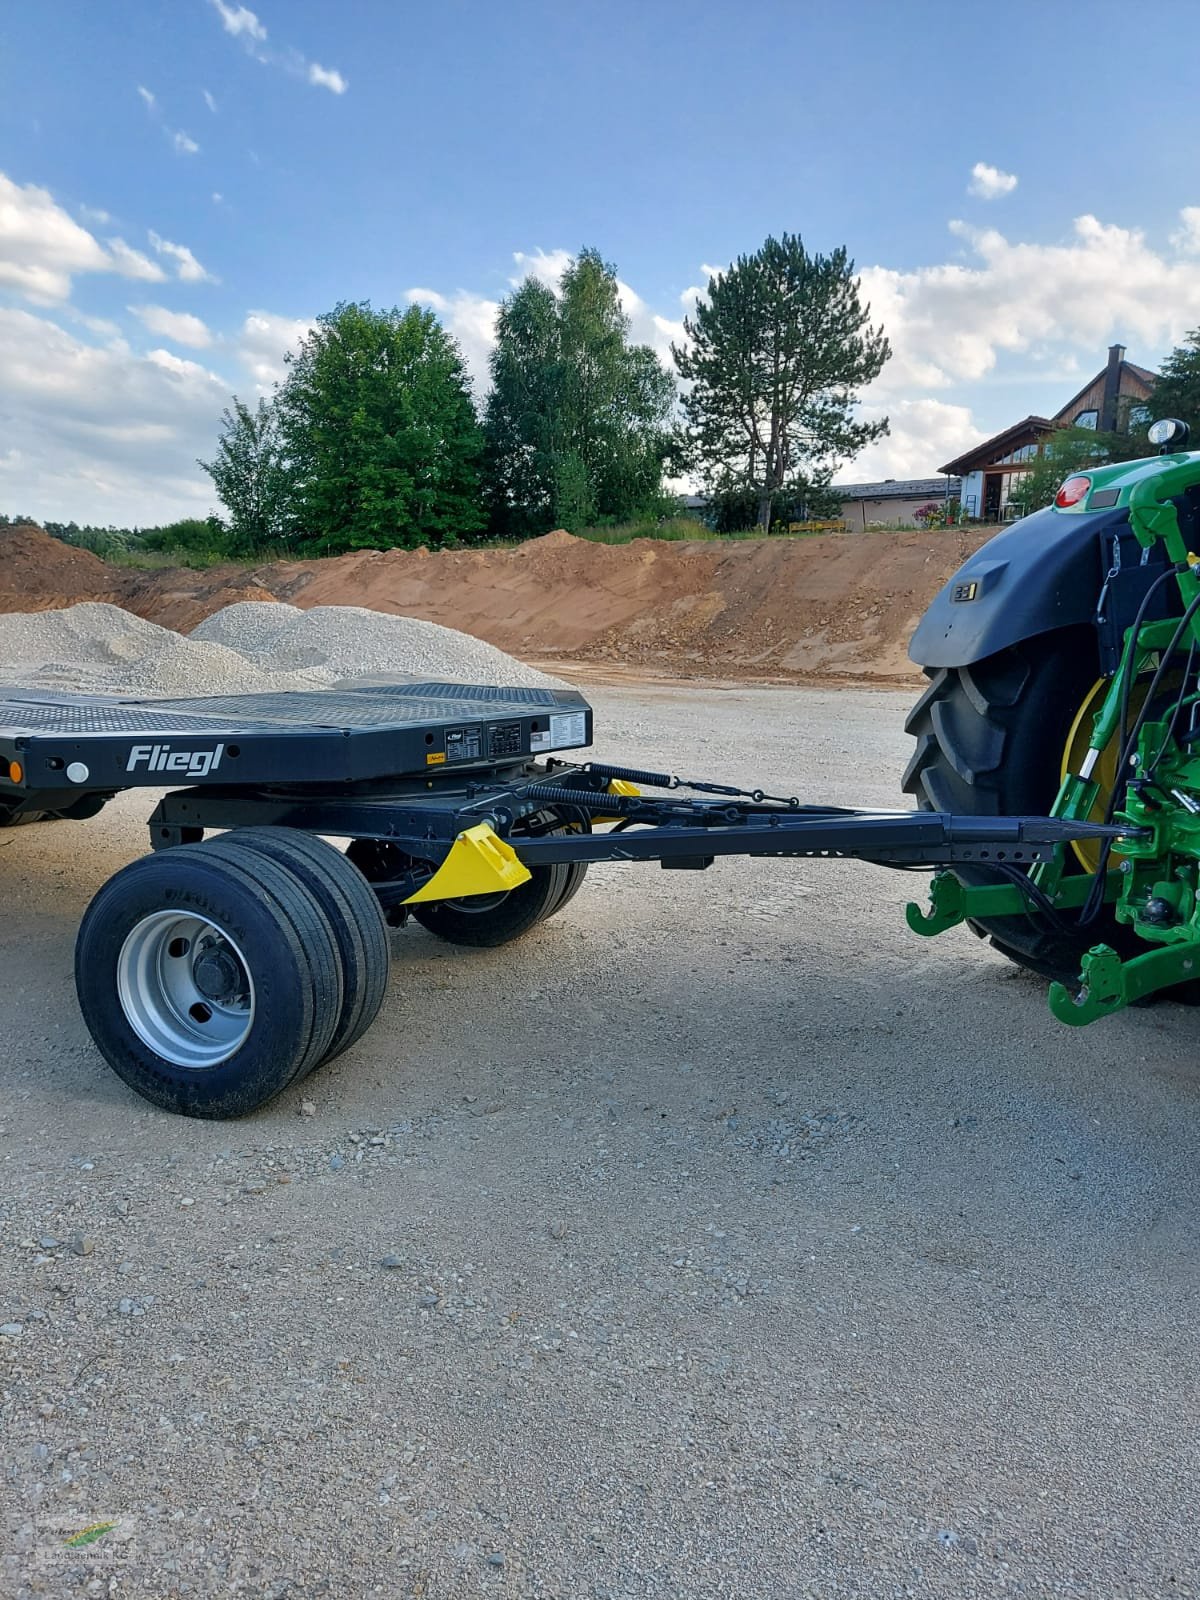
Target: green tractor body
1064,660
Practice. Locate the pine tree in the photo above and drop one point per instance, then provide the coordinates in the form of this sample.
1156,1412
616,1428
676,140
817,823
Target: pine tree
774,356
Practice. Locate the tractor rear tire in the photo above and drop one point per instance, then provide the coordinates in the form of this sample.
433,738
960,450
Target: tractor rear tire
990,742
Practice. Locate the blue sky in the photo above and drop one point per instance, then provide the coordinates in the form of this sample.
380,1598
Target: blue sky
257,165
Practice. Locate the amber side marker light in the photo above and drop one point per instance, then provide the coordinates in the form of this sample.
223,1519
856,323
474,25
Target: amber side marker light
16,772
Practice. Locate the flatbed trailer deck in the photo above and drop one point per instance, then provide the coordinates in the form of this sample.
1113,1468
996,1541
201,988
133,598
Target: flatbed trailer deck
219,969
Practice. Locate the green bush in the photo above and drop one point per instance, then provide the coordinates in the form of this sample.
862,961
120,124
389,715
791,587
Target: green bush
201,536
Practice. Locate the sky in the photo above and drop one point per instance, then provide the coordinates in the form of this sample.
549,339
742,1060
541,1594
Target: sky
185,184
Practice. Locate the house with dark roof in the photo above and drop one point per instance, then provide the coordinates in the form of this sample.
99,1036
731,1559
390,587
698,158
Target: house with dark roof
991,472
891,500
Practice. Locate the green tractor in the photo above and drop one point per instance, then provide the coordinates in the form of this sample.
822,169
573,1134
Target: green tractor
1064,667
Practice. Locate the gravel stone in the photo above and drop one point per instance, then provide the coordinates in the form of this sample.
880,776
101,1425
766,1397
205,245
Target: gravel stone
795,1414
246,648
342,642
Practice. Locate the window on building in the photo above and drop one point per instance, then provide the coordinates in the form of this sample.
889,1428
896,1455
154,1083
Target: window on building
1015,457
1087,419
1138,416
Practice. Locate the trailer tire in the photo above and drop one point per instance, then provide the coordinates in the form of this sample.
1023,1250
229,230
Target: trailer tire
496,919
492,920
79,811
353,912
224,931
990,739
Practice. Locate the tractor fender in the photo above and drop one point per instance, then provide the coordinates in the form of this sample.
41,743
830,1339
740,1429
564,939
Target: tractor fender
1042,573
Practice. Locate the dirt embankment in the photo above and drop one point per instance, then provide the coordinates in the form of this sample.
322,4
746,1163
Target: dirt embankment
831,607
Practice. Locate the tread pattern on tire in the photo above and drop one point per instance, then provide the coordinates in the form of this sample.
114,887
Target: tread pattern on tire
304,910
989,740
354,914
301,1003
487,929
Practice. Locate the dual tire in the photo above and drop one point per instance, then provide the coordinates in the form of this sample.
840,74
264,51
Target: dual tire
213,976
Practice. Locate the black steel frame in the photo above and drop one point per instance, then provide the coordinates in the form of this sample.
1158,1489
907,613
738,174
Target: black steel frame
680,833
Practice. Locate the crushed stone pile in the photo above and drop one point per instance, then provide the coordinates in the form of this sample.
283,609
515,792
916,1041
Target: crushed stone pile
248,648
353,642
96,648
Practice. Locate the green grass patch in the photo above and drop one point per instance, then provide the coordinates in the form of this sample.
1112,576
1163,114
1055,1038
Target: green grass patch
670,528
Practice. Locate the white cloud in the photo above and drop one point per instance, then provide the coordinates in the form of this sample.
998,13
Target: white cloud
923,434
648,327
264,340
98,433
131,263
547,266
104,326
217,197
180,326
95,216
209,101
989,183
184,143
471,319
326,78
950,323
241,22
147,96
1186,237
41,245
186,265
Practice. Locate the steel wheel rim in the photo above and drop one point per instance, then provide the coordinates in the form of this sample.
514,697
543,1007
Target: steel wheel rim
476,904
185,989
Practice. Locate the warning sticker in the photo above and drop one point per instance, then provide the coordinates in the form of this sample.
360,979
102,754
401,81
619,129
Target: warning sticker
567,730
539,739
435,758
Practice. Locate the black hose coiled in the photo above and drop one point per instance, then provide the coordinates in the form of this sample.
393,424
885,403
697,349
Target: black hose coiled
655,780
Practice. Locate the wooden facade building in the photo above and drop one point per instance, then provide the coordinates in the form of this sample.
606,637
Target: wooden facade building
991,472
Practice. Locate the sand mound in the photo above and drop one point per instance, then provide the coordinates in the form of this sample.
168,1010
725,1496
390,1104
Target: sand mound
352,641
37,571
834,607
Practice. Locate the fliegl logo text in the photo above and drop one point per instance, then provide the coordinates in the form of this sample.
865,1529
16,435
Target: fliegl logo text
162,758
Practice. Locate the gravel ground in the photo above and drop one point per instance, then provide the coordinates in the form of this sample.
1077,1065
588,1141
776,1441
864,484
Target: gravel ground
722,1239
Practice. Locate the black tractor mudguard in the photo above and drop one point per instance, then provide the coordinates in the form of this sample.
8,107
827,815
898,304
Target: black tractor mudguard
1050,570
